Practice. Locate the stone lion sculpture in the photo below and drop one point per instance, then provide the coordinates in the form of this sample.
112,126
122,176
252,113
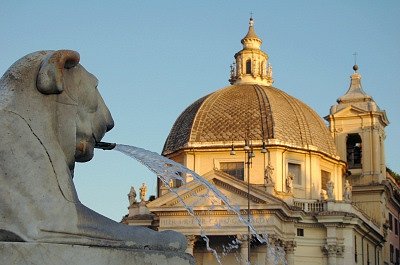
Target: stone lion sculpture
51,115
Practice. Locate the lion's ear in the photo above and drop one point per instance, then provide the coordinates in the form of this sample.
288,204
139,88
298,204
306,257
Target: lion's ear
50,76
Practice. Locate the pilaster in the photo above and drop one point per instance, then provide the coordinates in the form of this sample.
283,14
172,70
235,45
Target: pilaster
244,248
191,240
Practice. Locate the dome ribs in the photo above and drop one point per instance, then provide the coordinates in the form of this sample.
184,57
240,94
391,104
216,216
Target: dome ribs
266,120
311,130
330,147
181,130
298,111
249,111
228,115
286,126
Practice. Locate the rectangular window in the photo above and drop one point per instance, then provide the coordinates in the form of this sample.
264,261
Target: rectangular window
396,226
390,222
235,169
391,253
354,150
295,170
325,177
300,232
397,256
177,183
355,249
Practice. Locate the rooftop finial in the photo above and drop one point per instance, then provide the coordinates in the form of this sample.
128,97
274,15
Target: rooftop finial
355,67
251,22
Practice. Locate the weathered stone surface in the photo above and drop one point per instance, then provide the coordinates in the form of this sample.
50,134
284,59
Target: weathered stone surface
61,254
51,116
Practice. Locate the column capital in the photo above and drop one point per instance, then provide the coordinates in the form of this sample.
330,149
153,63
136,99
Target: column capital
333,250
275,241
242,237
289,246
191,239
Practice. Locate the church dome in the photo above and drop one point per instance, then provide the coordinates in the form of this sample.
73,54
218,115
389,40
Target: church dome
256,112
252,109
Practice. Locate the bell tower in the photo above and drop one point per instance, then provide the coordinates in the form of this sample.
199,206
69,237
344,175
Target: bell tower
358,127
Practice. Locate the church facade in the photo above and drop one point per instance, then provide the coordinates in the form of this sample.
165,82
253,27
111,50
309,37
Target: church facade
315,194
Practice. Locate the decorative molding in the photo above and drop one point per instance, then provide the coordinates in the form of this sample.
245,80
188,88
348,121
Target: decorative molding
240,192
187,195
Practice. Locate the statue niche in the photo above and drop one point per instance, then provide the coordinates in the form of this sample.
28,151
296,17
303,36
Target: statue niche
51,116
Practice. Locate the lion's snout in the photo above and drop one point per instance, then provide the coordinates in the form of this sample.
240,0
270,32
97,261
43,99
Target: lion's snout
110,125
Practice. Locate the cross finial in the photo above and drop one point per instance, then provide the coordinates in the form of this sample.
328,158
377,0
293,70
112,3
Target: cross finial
355,57
251,22
355,67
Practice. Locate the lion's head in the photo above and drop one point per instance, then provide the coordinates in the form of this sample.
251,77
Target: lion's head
51,115
75,109
62,74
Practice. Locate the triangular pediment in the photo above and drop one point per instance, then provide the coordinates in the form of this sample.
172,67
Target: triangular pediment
350,111
197,195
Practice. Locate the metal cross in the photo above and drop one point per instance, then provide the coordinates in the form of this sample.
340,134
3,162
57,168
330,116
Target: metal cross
355,57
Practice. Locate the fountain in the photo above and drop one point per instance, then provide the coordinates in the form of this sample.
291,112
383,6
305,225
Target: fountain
167,170
51,116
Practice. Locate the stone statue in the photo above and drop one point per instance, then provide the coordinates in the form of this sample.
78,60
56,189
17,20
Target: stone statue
269,171
329,189
347,191
232,71
51,116
289,182
323,195
269,70
132,196
143,191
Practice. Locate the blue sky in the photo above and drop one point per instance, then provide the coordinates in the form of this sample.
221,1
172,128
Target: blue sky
154,58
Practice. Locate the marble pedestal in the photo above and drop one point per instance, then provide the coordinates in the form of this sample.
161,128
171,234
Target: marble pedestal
22,253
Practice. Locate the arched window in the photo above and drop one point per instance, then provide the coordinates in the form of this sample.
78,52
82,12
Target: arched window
248,67
354,150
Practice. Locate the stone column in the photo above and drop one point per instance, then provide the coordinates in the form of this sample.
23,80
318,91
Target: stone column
270,255
330,251
289,247
191,239
383,157
276,251
366,160
334,252
340,254
244,248
376,149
